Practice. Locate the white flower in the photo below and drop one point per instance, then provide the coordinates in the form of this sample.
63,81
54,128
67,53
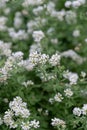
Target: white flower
8,119
19,35
28,83
38,36
26,3
38,58
3,21
25,126
35,48
73,78
34,124
68,92
58,122
55,59
51,100
38,10
17,114
34,58
28,65
18,55
54,41
85,40
60,15
84,109
50,6
58,97
18,20
68,4
39,110
70,17
83,74
5,48
28,125
19,108
47,76
77,111
43,58
82,1
76,33
76,4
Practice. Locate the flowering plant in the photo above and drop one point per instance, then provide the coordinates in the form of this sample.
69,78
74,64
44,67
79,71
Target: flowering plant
43,65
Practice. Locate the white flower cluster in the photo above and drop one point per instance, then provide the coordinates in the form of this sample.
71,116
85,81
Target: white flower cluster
28,125
85,40
28,83
83,74
18,56
76,33
43,59
3,21
7,11
70,17
27,3
44,112
35,48
25,125
34,124
58,123
38,58
2,3
50,6
78,112
18,20
47,76
57,98
38,36
75,3
32,25
68,92
28,65
55,60
84,109
3,75
18,110
13,61
72,77
53,13
8,119
54,41
51,100
34,58
74,56
20,35
5,48
37,11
